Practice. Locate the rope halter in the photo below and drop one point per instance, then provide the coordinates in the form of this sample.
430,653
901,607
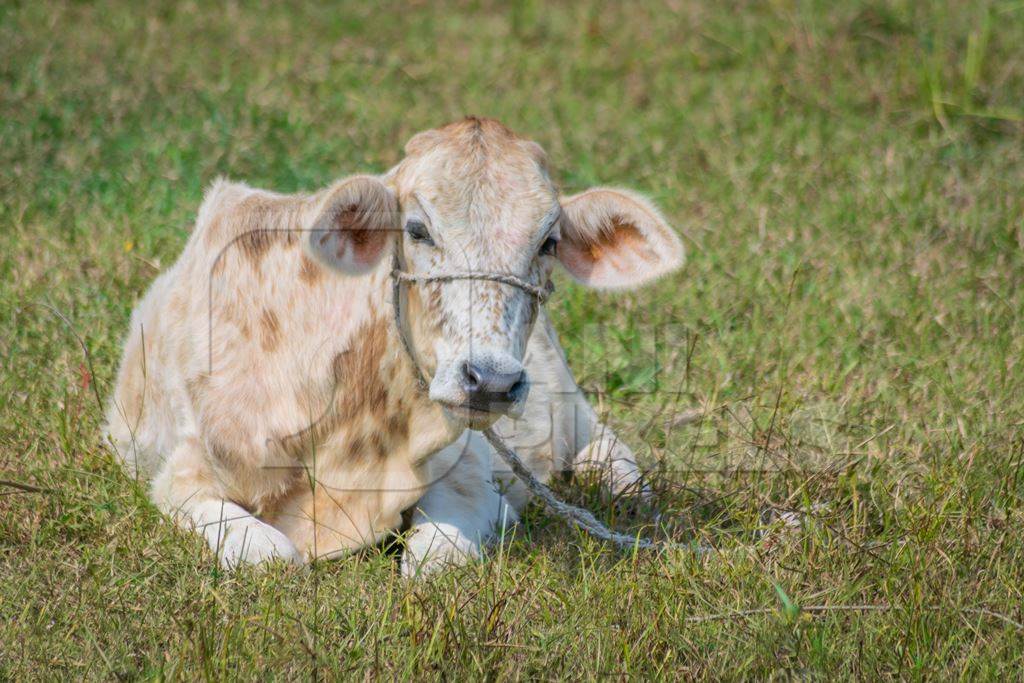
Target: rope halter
399,276
541,294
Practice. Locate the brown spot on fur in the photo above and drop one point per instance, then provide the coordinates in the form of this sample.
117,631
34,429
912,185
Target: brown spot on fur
377,398
270,330
256,243
363,448
359,371
309,271
357,447
364,379
263,223
378,444
397,424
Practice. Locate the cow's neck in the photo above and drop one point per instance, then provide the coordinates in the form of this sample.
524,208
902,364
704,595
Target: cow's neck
381,404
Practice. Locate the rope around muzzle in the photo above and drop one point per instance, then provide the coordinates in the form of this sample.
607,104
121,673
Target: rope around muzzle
541,294
399,276
577,516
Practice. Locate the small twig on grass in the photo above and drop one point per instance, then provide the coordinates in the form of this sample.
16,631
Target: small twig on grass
823,609
26,488
813,609
687,417
995,615
81,342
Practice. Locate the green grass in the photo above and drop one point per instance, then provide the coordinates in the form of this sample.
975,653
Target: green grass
848,178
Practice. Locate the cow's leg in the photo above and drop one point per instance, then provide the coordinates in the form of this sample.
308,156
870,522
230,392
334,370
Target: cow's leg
186,488
460,512
602,451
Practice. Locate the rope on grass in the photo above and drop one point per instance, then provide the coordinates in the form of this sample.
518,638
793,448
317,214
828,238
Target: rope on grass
575,515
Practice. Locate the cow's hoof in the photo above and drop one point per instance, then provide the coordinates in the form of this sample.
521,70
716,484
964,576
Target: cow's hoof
434,547
251,541
615,464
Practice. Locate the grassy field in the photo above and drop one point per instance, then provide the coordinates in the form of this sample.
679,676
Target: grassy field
849,179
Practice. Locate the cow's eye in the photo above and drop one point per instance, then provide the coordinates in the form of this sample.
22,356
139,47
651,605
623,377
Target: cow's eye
549,247
418,232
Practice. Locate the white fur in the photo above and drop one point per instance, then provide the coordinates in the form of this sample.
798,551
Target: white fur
449,527
237,537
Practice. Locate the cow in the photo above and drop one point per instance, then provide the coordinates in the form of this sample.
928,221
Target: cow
270,387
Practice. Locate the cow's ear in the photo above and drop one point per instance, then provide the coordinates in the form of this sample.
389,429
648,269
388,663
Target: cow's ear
616,239
352,224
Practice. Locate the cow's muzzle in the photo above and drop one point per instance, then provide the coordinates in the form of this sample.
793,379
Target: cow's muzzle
492,390
482,387
479,390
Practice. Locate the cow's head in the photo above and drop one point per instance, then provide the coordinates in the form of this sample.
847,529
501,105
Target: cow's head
472,196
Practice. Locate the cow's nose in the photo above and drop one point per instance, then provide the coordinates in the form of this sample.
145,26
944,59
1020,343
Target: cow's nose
490,389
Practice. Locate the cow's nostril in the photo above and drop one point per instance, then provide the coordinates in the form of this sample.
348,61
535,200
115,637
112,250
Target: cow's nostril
488,386
517,387
472,376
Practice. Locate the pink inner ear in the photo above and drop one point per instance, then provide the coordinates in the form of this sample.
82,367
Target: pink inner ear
619,250
356,232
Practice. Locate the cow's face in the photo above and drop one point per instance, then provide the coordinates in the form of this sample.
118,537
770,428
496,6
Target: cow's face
473,197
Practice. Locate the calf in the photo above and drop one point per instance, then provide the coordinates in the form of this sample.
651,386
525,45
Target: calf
270,387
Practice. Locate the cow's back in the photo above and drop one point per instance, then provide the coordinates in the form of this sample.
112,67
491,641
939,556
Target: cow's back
236,343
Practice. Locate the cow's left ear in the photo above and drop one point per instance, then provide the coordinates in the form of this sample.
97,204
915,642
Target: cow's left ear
352,225
616,239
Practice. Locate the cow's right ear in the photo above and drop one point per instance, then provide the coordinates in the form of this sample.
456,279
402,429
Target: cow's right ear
352,225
